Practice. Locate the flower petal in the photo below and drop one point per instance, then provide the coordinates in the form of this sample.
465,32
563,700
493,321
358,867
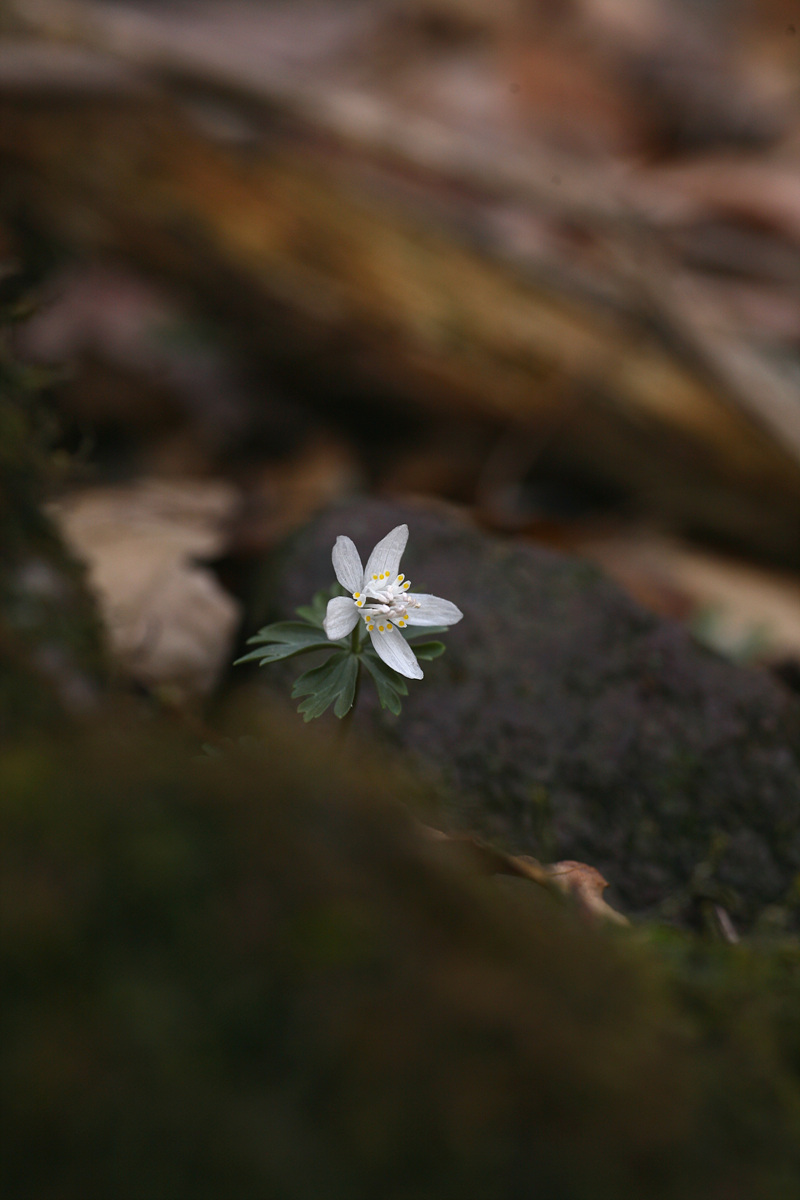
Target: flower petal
432,610
341,617
347,564
396,653
385,558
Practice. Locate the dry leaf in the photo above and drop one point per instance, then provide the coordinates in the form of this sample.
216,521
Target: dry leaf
742,610
583,883
169,621
586,885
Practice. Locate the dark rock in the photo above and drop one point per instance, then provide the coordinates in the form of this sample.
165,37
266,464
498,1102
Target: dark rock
569,722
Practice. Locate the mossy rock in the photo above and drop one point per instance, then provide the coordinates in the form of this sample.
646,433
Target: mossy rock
252,978
568,722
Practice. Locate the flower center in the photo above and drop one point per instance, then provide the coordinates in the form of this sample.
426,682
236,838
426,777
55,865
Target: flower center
383,602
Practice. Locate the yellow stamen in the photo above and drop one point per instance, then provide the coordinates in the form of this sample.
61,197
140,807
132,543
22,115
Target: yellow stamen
406,586
374,576
356,595
381,628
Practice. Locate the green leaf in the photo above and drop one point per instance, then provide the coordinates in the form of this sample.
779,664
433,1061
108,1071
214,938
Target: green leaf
287,631
390,699
270,654
307,613
249,657
253,654
427,651
412,632
310,681
390,685
392,677
333,680
314,612
283,640
348,693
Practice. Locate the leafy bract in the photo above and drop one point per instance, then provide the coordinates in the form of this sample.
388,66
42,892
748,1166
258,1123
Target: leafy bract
284,640
335,681
287,631
428,651
413,633
314,613
389,684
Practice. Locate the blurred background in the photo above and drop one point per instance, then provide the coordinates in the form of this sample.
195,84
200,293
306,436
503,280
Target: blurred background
532,263
538,259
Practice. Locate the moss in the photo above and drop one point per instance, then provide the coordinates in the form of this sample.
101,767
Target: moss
555,679
251,979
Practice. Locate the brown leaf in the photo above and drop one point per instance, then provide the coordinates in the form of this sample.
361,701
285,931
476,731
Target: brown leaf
743,610
586,885
169,622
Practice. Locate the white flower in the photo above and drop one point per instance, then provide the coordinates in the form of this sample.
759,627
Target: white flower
384,600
